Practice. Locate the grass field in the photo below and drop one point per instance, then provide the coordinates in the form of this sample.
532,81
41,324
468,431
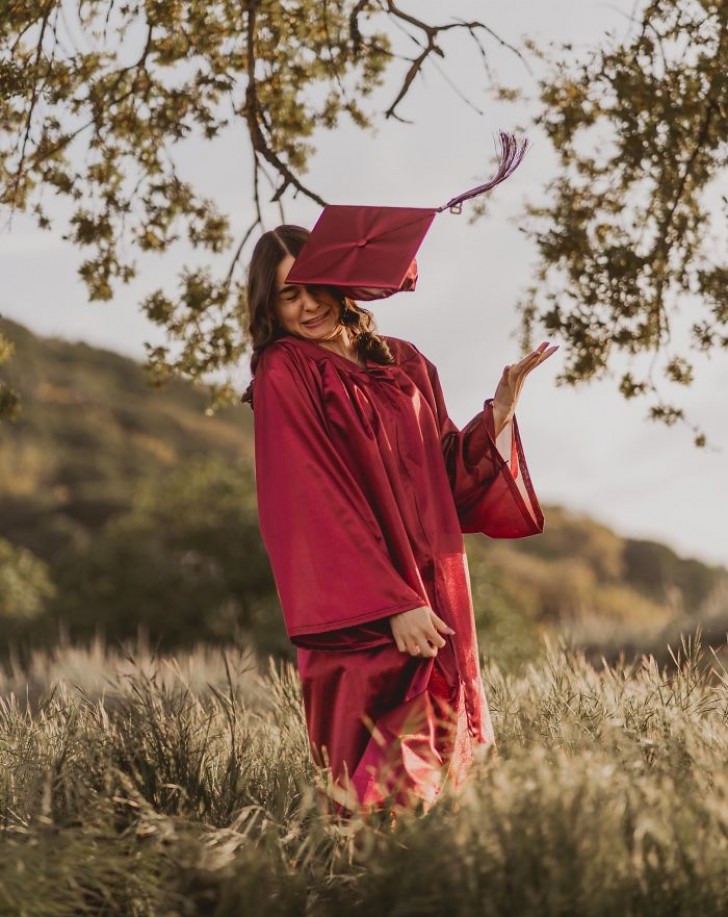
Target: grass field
142,786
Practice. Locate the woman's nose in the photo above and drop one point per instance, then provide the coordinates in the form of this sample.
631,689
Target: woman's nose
308,303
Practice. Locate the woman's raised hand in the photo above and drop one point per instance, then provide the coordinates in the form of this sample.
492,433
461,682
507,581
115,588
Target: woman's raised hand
415,631
511,382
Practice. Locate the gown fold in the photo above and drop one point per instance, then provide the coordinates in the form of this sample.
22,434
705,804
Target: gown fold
365,488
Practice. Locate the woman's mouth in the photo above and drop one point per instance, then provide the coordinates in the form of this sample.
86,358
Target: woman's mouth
315,322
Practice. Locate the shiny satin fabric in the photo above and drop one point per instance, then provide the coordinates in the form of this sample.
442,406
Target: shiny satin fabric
365,487
390,727
364,252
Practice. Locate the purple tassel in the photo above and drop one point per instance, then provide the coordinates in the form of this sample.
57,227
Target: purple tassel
511,153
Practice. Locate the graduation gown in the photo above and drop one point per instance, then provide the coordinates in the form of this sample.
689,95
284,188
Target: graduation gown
365,487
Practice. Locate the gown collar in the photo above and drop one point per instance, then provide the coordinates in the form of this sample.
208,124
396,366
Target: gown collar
322,354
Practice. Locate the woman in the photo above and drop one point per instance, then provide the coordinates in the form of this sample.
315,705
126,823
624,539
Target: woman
365,487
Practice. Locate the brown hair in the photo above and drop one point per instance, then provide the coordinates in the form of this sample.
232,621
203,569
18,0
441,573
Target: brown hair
263,327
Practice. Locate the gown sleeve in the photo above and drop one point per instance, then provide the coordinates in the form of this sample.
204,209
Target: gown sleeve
326,548
488,475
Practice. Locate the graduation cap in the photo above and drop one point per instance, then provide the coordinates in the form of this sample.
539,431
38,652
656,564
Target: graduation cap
369,252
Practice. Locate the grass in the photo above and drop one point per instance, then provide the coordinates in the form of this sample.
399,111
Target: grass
142,786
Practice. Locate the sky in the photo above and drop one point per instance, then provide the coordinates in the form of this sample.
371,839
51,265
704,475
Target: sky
587,448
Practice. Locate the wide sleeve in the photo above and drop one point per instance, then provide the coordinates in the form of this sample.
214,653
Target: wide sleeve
328,555
488,476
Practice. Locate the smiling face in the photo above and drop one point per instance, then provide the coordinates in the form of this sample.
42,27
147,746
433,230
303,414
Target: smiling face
310,312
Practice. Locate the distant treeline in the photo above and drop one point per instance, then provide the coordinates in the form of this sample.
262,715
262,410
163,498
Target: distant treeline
122,507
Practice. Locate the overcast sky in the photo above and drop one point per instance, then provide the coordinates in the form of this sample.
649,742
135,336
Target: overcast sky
587,448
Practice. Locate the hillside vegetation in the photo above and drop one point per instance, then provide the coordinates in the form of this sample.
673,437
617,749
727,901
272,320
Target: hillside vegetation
92,429
124,509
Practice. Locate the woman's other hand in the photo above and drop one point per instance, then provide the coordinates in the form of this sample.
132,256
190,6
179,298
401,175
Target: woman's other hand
415,631
509,388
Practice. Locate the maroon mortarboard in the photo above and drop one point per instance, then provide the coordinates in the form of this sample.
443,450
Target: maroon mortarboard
369,252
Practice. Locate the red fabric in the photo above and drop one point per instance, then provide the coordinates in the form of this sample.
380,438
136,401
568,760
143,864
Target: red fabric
368,252
365,252
365,486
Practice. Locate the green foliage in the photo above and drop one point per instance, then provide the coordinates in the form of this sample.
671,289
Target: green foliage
185,562
608,795
9,400
628,241
608,592
110,486
25,584
583,556
568,534
506,615
142,508
92,430
655,569
97,98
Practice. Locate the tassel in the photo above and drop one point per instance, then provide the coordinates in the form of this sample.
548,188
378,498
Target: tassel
509,158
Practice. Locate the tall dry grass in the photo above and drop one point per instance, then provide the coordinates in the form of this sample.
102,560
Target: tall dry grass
144,786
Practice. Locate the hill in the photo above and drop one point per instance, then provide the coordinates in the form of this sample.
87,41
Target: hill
92,429
126,506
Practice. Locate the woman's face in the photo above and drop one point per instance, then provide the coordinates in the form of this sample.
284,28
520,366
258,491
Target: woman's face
310,312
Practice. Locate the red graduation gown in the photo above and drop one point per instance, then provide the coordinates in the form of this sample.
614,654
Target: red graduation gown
365,487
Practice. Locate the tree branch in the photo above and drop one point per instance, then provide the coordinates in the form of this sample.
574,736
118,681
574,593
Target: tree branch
700,140
252,116
35,94
430,46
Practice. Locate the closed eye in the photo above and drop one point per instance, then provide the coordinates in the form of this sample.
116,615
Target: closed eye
288,293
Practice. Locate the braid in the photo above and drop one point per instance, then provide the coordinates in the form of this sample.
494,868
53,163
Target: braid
371,345
366,340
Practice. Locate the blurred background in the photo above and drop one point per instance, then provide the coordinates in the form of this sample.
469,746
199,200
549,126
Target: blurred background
128,509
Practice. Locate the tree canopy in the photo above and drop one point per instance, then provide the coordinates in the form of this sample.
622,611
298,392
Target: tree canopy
96,96
632,241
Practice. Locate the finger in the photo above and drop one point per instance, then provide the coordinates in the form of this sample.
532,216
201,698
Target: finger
531,359
422,640
426,653
541,349
547,353
441,625
435,638
520,371
515,374
539,360
400,645
431,636
413,647
529,363
545,350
